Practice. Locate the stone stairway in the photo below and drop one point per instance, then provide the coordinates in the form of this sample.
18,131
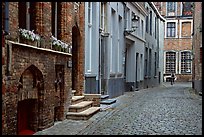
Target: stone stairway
81,109
106,103
105,100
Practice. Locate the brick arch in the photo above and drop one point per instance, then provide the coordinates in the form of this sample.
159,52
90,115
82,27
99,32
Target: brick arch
30,83
77,69
31,86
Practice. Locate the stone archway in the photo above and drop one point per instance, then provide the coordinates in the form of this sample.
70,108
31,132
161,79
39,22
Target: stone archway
30,86
76,41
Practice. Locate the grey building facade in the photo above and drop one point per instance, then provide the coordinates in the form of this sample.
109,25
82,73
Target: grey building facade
115,47
104,46
154,36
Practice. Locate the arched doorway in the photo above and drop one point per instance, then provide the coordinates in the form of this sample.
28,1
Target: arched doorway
26,116
75,56
30,85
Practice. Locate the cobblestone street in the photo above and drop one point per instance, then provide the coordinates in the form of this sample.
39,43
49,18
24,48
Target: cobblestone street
165,110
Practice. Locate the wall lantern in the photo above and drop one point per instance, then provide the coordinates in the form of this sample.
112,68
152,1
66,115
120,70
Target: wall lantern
69,63
135,21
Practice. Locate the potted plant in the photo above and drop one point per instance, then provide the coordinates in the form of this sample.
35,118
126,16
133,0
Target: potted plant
28,37
59,45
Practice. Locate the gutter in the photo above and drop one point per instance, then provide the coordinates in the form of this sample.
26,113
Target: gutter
156,11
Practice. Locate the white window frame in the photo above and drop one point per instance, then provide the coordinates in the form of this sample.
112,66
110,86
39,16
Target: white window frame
103,16
181,8
176,22
142,28
180,31
176,67
180,61
128,19
175,9
90,35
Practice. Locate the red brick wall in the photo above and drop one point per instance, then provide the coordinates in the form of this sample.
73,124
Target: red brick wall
44,62
197,42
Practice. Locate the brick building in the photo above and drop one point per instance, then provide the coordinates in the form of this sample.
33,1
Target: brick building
38,75
178,39
197,47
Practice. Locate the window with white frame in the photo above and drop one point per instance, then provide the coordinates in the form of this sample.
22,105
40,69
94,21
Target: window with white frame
185,29
155,27
103,19
171,29
170,62
118,47
89,61
150,61
142,31
155,63
185,62
128,19
187,9
146,61
147,23
150,23
171,8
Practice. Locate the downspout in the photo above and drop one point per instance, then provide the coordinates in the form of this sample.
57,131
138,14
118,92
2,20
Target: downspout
8,46
99,55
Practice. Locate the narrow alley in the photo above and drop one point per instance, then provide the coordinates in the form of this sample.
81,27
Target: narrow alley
165,110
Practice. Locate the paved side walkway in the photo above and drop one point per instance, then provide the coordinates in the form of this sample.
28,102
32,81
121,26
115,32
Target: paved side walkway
166,110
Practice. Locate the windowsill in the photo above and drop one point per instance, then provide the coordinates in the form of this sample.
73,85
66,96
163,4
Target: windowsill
42,49
119,75
171,37
155,76
112,74
147,77
185,37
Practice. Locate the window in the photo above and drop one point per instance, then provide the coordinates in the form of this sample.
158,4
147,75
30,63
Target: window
170,62
142,25
171,8
55,19
26,15
155,63
187,9
185,29
6,17
103,20
155,27
141,67
146,56
186,62
150,61
147,22
128,19
150,22
171,29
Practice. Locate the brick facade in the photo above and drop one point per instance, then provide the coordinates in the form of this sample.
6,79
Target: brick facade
183,36
29,73
197,47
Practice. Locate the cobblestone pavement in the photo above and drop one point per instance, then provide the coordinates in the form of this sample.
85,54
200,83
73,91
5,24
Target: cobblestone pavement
165,110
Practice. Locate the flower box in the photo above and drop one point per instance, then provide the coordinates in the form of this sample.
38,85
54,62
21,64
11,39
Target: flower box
29,37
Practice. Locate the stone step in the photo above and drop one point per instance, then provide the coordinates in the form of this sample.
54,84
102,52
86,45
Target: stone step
79,107
104,97
76,99
108,101
84,115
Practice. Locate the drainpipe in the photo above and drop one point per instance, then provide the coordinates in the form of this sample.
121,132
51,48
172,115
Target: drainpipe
8,46
99,65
